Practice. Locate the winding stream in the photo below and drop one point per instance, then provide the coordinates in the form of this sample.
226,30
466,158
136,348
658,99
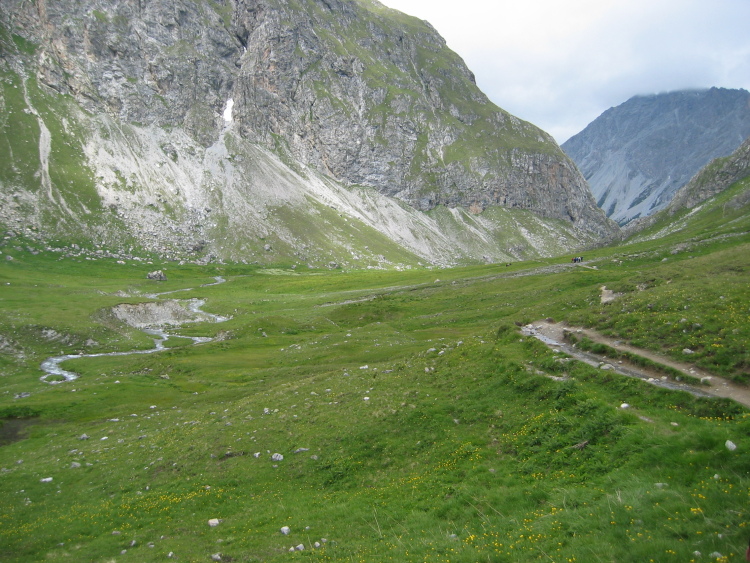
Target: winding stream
51,366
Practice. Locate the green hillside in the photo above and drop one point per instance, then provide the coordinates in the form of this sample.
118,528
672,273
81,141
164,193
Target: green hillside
415,421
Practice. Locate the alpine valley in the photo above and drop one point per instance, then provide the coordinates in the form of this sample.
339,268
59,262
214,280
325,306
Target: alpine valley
278,284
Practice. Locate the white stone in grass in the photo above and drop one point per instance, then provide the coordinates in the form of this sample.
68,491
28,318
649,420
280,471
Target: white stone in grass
256,455
213,522
285,530
216,557
731,446
367,398
46,480
300,547
277,457
716,476
625,406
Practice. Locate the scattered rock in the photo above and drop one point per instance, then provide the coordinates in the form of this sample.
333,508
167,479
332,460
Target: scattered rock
75,465
285,530
277,457
157,275
83,437
46,480
216,557
213,522
687,351
300,547
731,446
625,406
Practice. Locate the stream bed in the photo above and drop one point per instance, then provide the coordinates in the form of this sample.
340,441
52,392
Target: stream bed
152,318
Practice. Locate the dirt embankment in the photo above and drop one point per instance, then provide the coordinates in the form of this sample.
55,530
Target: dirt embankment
717,386
156,314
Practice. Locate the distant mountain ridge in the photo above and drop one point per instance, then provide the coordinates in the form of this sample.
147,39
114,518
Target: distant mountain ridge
637,155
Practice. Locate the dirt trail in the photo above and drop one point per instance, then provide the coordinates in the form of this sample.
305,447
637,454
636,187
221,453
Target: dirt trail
553,334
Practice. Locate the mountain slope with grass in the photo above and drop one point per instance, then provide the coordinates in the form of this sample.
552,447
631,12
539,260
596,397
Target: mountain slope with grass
714,203
265,131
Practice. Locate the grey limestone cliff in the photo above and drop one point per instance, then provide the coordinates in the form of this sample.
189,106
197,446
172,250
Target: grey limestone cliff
346,89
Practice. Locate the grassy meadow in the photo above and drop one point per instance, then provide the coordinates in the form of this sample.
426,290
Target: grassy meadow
415,422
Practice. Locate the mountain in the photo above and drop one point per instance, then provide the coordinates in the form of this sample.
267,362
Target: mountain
269,130
637,155
715,201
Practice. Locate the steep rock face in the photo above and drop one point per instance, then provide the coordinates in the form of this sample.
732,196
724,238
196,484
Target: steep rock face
190,105
635,156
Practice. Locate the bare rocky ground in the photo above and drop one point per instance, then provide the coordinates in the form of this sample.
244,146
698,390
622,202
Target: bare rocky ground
553,333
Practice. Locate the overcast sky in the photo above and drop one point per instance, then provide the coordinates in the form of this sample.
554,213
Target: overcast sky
560,63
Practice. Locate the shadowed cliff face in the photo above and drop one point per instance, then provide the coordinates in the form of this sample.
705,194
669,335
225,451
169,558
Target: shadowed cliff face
351,89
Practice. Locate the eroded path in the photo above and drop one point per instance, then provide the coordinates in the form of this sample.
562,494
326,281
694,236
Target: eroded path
552,334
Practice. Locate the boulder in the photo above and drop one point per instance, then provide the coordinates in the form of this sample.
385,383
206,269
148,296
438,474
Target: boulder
157,275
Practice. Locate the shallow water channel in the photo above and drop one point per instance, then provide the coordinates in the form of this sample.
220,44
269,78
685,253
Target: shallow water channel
618,367
51,366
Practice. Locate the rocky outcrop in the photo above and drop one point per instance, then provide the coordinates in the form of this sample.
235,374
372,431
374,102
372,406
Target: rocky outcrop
346,90
637,155
713,179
